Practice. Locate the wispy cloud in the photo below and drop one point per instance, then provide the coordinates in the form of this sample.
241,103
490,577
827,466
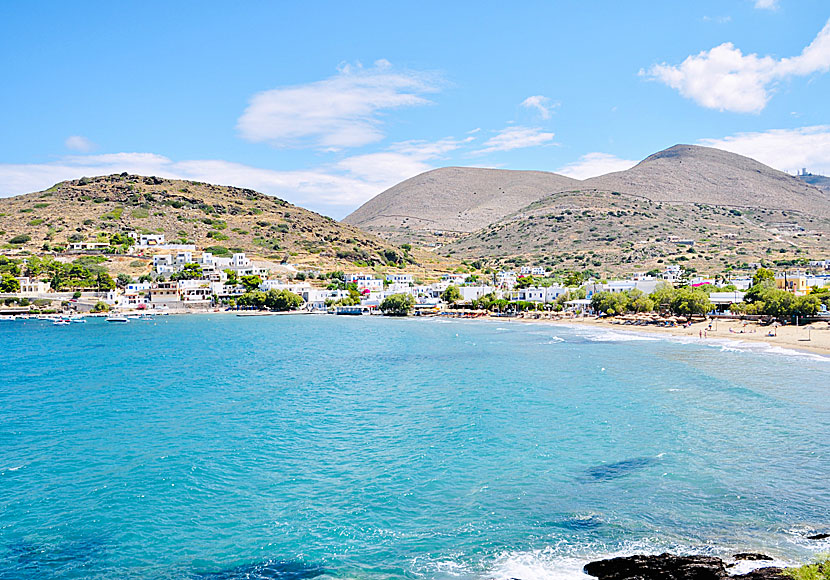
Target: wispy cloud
594,164
784,149
339,112
726,79
516,137
79,144
766,4
541,103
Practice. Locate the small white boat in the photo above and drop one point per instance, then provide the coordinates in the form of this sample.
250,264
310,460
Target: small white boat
78,320
117,318
60,322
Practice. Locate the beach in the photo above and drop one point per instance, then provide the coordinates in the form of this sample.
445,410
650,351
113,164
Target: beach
814,338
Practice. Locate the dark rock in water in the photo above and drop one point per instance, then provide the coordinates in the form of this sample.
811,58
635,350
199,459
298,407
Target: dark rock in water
618,469
671,567
662,567
751,556
271,570
818,537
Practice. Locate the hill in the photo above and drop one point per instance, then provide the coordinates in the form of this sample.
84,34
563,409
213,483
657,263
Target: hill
453,201
693,174
820,181
708,209
222,219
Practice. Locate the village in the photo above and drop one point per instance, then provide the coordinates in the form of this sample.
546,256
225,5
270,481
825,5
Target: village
185,280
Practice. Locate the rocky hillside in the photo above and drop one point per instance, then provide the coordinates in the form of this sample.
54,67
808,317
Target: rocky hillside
700,207
820,181
452,201
692,174
221,218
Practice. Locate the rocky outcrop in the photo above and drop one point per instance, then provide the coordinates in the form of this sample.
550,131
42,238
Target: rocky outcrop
672,567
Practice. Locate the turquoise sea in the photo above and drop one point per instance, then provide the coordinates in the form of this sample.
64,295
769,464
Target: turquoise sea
290,447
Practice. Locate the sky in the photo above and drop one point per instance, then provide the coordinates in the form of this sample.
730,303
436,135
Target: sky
327,104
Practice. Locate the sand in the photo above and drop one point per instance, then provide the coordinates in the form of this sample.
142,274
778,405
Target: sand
813,338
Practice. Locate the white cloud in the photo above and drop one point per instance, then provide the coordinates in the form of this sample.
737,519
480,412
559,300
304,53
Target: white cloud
783,149
79,143
334,189
594,164
726,79
540,103
342,111
516,137
766,4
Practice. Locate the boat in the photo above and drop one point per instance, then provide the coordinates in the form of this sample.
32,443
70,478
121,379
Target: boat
77,320
117,318
60,322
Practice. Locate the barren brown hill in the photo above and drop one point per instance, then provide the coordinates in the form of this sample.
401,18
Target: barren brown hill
222,219
706,208
452,200
693,174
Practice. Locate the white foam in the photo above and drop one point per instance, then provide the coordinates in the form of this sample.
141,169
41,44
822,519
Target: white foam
537,565
747,566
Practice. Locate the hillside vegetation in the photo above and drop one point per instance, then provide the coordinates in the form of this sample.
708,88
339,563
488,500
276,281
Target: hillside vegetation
221,219
619,233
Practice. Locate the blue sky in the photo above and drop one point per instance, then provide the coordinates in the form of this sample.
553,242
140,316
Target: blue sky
326,104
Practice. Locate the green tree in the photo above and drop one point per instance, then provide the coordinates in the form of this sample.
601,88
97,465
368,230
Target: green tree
807,305
451,295
574,279
124,279
233,279
190,271
9,284
398,304
282,300
690,301
763,275
57,281
100,307
250,283
104,281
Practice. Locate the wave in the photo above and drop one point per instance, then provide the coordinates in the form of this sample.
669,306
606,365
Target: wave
565,562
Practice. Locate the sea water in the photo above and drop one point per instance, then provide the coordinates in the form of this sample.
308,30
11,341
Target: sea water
218,447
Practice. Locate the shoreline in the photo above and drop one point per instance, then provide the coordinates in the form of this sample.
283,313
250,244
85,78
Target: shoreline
787,337
812,339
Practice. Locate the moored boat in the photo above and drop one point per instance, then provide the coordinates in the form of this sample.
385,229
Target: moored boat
117,318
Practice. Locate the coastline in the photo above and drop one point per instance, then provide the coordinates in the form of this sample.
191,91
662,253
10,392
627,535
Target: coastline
812,339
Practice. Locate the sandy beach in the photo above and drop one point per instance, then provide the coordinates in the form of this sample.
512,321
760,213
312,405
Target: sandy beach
814,338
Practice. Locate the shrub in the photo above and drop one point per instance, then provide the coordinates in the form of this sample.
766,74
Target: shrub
101,307
819,570
397,304
218,250
36,221
21,239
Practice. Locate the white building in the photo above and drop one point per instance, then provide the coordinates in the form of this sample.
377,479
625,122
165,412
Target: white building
672,273
469,293
506,279
399,278
32,287
365,282
532,270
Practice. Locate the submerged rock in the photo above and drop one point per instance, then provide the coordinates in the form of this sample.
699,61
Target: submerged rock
751,556
818,537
